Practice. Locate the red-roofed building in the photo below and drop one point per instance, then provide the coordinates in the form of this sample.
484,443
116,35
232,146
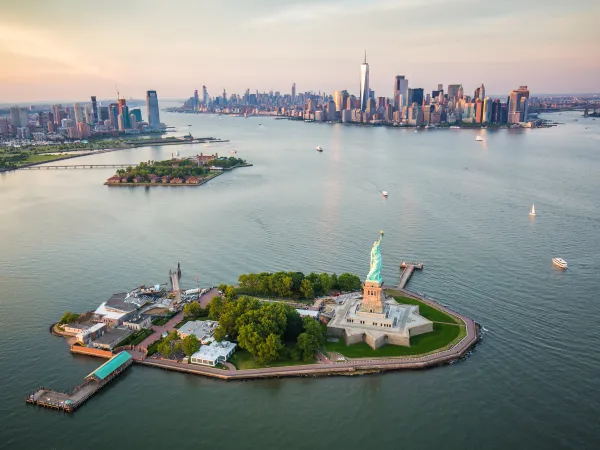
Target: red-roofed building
114,180
192,180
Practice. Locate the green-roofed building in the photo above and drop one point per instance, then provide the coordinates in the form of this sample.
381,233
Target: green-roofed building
114,365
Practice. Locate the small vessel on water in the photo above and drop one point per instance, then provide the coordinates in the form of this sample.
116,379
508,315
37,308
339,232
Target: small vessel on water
319,148
233,152
559,262
385,194
479,138
532,211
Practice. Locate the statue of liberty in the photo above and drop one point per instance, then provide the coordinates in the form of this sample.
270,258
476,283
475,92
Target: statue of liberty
375,270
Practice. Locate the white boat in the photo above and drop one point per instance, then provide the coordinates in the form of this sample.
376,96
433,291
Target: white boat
532,212
233,152
479,138
384,193
319,148
559,262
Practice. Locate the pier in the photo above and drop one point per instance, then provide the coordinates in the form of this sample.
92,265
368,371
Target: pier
407,270
69,402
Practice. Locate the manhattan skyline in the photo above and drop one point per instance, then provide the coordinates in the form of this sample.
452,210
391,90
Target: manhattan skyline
60,52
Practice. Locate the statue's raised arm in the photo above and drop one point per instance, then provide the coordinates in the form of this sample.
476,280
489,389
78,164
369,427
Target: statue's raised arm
375,270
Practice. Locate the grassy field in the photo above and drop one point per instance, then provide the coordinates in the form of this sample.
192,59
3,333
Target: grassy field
435,315
242,360
160,321
41,158
442,335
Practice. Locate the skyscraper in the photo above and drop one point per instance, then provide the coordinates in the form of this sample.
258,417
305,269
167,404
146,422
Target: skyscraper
293,93
196,105
364,84
152,107
400,89
453,91
113,114
338,98
482,92
15,116
78,112
487,110
94,109
204,96
517,105
414,96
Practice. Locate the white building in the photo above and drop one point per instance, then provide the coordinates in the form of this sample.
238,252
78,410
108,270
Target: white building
202,329
93,332
110,317
213,354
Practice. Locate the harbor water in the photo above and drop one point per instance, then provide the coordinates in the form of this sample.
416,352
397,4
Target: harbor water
67,242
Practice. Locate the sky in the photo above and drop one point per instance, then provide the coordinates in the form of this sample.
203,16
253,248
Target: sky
71,49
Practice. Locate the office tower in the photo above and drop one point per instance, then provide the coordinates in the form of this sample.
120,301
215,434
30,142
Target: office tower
87,113
453,91
400,89
59,114
120,122
478,111
67,123
414,96
78,112
204,96
311,106
477,94
487,110
120,103
84,130
4,126
381,102
132,122
338,98
196,104
18,116
482,92
152,107
293,93
125,114
113,115
440,87
43,118
364,84
496,111
103,113
137,112
331,111
517,105
224,98
94,109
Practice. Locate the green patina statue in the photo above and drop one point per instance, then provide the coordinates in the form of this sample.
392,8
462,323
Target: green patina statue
375,271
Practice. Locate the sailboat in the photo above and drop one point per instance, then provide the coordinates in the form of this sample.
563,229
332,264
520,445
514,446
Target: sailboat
479,138
532,212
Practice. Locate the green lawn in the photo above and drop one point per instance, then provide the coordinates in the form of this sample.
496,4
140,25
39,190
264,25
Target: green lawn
41,158
242,360
152,348
442,335
160,321
435,315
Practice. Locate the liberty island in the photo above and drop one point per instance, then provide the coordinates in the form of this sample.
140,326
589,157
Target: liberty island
378,317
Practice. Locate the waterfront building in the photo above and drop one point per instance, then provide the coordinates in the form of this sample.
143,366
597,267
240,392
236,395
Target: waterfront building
338,98
331,111
137,112
213,354
373,318
346,115
94,109
89,333
517,105
202,329
138,323
364,84
400,91
487,110
152,108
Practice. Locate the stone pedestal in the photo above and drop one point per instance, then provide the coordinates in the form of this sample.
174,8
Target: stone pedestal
373,298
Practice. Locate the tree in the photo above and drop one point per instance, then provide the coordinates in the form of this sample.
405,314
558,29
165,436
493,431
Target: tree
194,309
294,325
68,317
269,350
165,349
307,346
190,344
349,282
230,293
222,287
215,307
312,327
326,282
306,289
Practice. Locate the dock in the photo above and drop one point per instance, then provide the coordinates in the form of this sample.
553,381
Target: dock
407,270
69,402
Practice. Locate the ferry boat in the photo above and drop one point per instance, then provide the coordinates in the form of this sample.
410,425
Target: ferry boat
479,138
319,148
385,194
532,212
454,127
559,262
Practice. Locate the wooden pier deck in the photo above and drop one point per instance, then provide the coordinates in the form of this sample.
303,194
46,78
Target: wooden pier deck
70,401
407,270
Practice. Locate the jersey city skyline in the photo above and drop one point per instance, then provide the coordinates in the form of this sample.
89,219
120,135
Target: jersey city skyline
268,45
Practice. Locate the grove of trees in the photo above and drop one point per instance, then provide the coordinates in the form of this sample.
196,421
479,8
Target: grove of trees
68,317
263,329
296,284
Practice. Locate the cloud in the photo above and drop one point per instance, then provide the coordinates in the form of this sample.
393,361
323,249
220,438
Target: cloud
336,9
